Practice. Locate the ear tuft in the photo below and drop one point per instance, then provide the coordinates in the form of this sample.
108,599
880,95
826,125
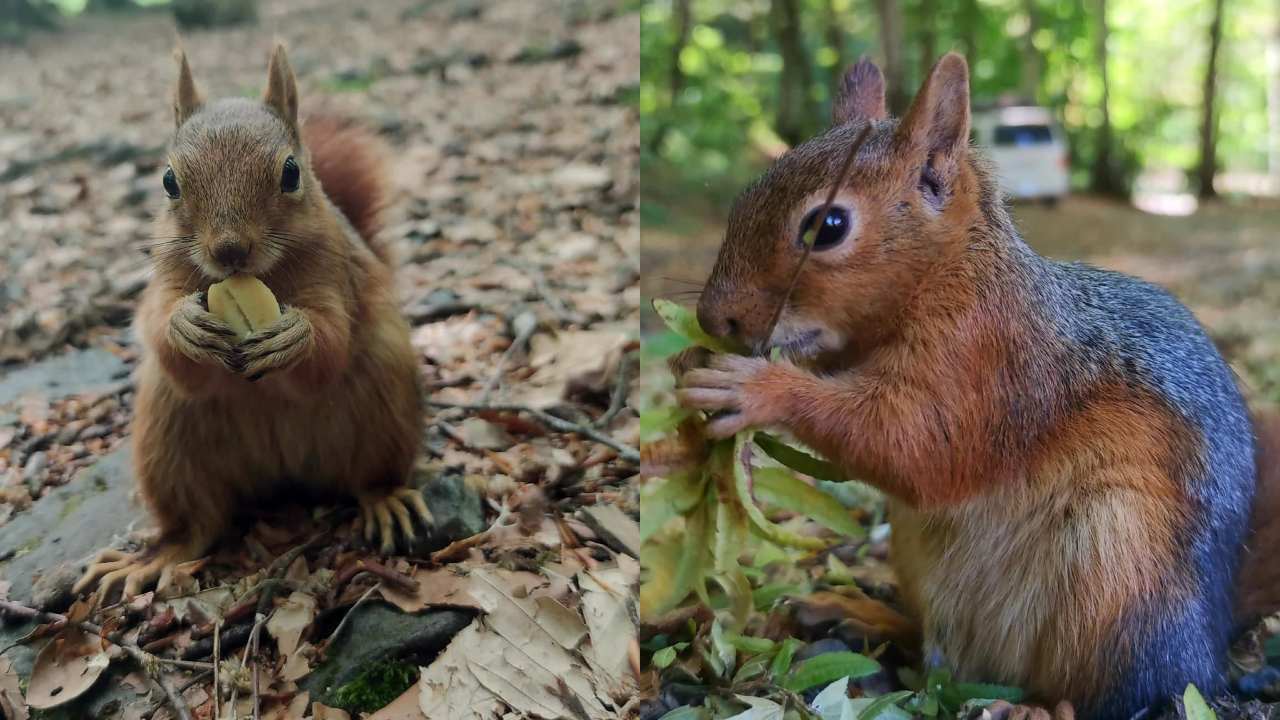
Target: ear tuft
861,94
186,97
282,87
938,120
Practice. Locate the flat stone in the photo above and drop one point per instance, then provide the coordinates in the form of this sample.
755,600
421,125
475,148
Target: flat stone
456,509
377,632
80,372
68,526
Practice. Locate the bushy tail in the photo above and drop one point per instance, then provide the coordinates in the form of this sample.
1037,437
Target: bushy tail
351,164
1260,573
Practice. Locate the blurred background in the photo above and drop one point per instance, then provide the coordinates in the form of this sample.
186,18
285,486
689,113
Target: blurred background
1141,135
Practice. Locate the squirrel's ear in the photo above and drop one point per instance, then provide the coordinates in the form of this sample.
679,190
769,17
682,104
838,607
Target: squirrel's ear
936,128
282,87
861,94
186,97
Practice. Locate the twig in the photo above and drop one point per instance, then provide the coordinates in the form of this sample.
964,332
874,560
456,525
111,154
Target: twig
402,582
256,639
351,610
819,219
442,555
625,452
217,669
181,689
619,398
150,663
523,333
258,622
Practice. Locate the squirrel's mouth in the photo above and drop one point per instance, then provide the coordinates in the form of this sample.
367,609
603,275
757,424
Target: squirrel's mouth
802,344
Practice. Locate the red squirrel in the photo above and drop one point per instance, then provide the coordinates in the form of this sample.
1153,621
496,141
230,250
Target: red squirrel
1068,462
329,395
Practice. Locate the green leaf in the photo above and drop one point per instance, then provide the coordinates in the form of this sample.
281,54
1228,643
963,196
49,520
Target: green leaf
742,476
782,661
883,703
799,460
674,567
824,668
779,487
685,324
665,498
751,645
766,595
960,693
663,345
667,655
659,421
754,667
1195,706
737,591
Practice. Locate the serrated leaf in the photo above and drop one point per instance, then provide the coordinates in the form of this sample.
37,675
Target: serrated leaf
779,487
798,460
664,498
742,481
782,661
737,591
684,323
1195,706
827,667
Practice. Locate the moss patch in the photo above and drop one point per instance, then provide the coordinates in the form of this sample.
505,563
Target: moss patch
376,687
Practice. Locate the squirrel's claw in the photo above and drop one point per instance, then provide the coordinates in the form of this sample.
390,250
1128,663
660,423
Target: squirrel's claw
135,570
383,514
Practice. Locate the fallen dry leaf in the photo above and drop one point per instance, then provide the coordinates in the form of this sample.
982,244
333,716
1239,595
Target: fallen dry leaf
289,621
323,712
12,705
404,707
68,665
606,605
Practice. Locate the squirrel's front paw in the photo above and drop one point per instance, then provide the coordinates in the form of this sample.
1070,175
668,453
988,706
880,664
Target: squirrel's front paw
279,346
200,336
732,385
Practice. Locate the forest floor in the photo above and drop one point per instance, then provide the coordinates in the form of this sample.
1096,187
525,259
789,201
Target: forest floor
515,137
803,606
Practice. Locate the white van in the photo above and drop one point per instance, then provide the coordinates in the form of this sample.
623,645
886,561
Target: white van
1029,150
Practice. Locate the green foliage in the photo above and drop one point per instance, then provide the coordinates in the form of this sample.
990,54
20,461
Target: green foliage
714,132
206,14
1195,706
376,687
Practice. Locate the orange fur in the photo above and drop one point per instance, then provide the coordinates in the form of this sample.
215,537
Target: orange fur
1260,572
339,408
351,164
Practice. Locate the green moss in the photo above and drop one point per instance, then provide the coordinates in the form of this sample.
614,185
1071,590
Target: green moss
376,687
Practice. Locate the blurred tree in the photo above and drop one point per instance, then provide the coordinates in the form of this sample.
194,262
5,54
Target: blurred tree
795,111
1031,59
890,14
1103,178
1208,165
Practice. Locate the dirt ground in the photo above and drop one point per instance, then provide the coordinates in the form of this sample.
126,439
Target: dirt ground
1223,262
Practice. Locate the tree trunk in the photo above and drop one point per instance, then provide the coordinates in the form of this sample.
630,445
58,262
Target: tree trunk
795,109
970,16
682,21
890,13
1273,102
1102,178
836,40
1031,60
928,36
1209,118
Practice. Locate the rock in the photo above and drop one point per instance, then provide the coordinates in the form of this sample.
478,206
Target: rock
468,230
70,524
33,470
484,435
581,177
80,372
377,633
457,510
543,53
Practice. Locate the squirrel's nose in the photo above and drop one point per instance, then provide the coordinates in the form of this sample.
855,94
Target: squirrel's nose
718,321
230,254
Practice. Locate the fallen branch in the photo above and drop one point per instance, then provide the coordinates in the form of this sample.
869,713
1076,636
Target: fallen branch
150,663
626,452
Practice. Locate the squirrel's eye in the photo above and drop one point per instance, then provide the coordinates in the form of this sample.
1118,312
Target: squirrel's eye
290,176
171,184
834,229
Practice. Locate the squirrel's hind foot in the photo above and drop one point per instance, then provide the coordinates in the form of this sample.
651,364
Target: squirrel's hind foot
138,571
381,513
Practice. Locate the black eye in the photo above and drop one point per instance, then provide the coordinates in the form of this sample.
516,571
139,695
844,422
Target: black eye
833,231
289,177
171,184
